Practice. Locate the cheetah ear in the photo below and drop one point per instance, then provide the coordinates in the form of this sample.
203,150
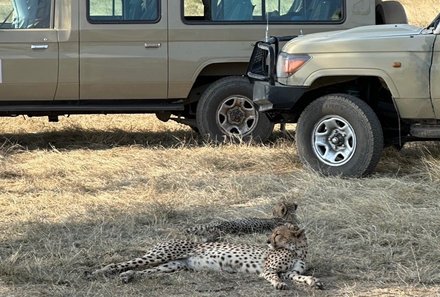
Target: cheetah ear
291,226
294,206
300,233
284,209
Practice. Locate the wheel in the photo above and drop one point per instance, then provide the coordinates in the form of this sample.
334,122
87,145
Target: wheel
226,110
339,134
391,12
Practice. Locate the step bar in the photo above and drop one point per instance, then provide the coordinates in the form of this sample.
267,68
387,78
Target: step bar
88,107
425,131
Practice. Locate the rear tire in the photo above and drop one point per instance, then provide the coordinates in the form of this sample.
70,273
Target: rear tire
226,111
339,134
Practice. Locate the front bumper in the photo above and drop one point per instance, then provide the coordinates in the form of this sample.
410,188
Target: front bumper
268,93
276,96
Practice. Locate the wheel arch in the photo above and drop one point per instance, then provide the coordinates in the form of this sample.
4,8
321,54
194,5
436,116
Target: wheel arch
371,89
316,78
207,74
325,84
210,72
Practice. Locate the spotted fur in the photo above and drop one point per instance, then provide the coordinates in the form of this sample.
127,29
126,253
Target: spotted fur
282,212
284,259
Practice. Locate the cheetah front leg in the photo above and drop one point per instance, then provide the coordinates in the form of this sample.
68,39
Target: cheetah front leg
304,279
295,274
169,267
274,279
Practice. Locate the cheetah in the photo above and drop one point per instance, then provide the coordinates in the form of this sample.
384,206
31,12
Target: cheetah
283,259
282,212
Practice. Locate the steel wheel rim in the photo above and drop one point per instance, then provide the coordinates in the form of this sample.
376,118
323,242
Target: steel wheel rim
334,140
237,116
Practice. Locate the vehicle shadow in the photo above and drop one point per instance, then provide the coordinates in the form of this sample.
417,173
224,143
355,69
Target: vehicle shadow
83,242
78,138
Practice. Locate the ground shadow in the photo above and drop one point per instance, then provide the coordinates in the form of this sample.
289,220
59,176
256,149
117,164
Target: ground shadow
78,138
56,258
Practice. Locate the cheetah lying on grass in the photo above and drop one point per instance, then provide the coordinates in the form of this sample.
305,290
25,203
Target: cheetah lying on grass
283,212
285,259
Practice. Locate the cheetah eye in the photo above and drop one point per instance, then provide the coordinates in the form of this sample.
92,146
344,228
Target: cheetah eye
276,235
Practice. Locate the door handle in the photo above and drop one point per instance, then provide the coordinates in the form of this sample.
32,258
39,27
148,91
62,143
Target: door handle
39,46
152,45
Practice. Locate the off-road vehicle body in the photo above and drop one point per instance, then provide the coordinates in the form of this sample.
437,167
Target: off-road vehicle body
180,59
352,92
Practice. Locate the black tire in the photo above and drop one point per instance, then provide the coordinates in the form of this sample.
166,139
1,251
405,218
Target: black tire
339,135
226,111
391,12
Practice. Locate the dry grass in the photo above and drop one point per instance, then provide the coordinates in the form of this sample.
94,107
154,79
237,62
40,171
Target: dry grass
91,190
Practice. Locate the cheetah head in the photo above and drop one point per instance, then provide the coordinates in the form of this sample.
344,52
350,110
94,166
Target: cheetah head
284,210
288,236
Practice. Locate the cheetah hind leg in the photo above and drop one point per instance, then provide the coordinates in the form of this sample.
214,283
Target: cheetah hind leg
113,268
160,254
169,267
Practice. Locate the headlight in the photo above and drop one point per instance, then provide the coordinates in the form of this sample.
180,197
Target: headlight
289,64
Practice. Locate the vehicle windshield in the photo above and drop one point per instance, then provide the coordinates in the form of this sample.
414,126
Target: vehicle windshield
434,23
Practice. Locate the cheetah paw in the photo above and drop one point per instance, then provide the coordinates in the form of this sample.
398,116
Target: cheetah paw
317,284
105,271
280,286
89,275
127,276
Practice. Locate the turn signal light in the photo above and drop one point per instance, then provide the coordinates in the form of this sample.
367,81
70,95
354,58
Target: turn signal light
287,64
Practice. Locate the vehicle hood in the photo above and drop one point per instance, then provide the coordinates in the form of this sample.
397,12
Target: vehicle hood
361,39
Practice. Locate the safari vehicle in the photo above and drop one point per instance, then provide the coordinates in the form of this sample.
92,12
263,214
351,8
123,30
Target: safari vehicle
181,59
352,92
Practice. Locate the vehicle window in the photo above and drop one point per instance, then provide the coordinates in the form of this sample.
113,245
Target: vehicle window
25,14
122,11
311,11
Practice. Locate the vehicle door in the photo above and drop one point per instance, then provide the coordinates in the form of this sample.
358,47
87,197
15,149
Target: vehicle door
28,50
123,49
435,75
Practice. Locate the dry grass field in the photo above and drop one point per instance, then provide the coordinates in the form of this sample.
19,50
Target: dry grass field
91,190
